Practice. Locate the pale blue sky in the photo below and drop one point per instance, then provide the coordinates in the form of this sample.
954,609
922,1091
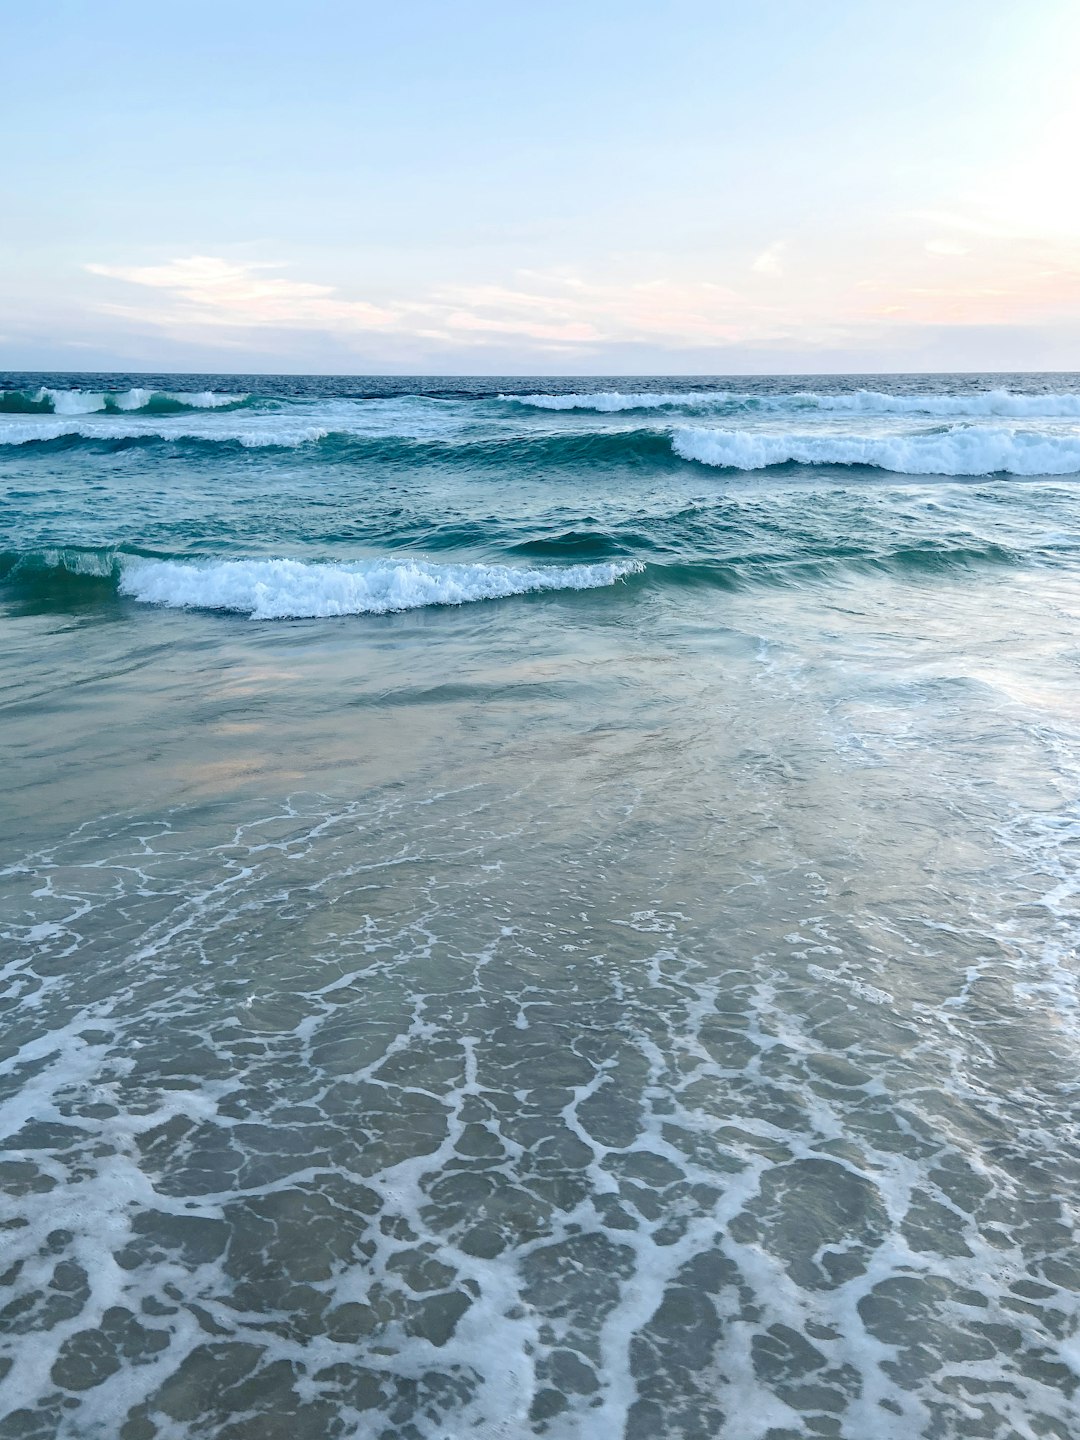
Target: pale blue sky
471,187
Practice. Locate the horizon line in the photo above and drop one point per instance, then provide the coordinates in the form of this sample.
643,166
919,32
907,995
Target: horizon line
538,374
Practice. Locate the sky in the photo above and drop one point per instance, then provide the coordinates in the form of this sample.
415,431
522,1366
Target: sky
642,187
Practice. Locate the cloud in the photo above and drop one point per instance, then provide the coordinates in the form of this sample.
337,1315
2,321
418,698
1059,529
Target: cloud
945,246
966,224
839,300
549,310
213,291
770,261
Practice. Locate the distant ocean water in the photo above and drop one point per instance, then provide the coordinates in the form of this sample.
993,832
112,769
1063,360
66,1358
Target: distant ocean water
540,907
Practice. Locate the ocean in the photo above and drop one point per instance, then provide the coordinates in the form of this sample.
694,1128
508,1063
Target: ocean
540,907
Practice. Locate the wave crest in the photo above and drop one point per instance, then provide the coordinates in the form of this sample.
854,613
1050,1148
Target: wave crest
293,589
49,401
264,436
1001,403
960,450
989,403
267,431
611,401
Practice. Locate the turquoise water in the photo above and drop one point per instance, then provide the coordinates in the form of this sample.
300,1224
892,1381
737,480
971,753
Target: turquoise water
540,907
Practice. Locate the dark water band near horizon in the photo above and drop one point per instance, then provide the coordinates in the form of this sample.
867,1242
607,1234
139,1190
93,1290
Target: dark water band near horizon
540,907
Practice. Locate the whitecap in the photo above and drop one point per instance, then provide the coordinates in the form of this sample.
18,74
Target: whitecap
989,403
960,450
1001,403
293,589
72,402
610,401
267,432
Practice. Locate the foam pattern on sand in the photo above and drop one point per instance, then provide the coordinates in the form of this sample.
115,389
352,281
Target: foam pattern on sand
504,1177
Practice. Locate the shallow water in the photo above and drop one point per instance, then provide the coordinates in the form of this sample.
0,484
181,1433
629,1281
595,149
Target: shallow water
635,1001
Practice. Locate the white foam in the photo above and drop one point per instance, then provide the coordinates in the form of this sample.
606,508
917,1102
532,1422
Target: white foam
291,589
132,399
606,1267
290,427
961,450
72,402
92,402
989,403
263,432
609,401
199,399
1002,403
138,399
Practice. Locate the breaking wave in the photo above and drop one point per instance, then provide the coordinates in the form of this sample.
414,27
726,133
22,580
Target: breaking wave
284,431
265,435
982,403
958,450
607,402
975,449
292,589
77,579
989,403
47,401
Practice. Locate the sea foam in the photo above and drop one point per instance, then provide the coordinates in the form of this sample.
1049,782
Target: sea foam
293,589
990,403
959,450
267,433
610,401
90,402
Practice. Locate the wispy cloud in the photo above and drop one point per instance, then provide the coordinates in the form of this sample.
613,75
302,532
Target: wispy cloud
213,291
552,310
1002,280
771,259
944,245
